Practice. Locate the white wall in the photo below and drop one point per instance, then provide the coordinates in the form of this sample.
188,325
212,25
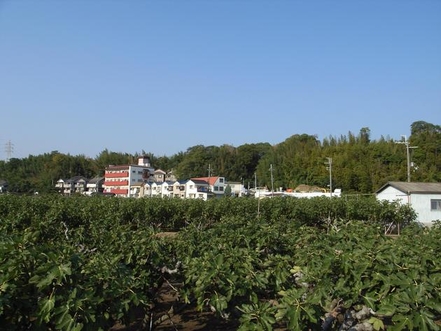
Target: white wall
419,202
391,194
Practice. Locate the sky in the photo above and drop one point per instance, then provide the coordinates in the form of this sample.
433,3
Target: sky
82,76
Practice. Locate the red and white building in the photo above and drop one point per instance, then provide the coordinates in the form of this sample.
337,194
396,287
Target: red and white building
122,180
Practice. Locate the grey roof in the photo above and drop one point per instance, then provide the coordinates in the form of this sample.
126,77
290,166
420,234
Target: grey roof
199,182
95,180
77,178
406,187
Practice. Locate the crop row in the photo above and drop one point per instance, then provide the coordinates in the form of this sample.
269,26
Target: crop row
86,263
174,214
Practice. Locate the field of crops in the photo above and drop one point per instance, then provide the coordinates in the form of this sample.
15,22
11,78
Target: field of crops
82,263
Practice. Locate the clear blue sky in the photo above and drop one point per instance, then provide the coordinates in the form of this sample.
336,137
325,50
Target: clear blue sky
162,76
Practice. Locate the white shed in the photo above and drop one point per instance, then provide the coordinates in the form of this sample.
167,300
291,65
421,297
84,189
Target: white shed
424,198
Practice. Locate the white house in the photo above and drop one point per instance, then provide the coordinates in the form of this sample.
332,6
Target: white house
76,184
166,189
237,188
424,198
95,185
3,185
155,189
196,189
216,185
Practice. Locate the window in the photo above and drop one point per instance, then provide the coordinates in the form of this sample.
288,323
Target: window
221,180
216,188
435,204
221,188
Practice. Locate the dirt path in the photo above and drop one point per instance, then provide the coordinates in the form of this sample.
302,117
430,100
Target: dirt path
185,317
171,315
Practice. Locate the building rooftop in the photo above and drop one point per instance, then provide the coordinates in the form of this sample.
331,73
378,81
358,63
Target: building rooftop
413,187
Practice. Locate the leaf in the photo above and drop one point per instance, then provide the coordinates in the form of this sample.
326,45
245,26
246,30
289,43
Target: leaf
219,261
65,322
432,324
376,323
46,306
369,301
434,305
386,310
401,323
420,323
43,283
310,312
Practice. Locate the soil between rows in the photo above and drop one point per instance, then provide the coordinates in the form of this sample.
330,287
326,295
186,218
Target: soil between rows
183,317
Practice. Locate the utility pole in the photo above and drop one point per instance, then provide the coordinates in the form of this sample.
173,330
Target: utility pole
257,195
408,148
272,180
329,167
209,176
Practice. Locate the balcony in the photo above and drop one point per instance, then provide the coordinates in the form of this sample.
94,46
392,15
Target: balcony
117,183
119,191
117,174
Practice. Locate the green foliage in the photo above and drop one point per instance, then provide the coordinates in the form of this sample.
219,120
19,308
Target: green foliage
65,267
82,263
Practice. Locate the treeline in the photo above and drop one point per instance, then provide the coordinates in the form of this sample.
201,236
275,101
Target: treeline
359,164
